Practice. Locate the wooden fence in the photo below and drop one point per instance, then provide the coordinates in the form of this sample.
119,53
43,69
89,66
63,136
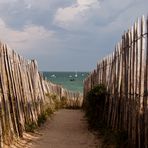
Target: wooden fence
125,74
23,94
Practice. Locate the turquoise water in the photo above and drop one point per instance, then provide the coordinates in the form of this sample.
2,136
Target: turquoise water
70,80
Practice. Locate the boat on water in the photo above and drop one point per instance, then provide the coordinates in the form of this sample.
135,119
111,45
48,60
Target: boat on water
70,76
53,76
76,75
72,79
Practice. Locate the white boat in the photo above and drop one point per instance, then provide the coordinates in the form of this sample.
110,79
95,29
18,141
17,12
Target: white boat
76,75
70,76
53,76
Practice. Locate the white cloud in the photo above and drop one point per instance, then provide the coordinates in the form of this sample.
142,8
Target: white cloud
86,14
76,14
39,4
2,24
27,38
28,6
7,1
86,2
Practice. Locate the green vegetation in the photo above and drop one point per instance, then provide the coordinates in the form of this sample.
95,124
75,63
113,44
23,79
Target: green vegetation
44,116
59,103
94,106
112,138
55,103
56,100
63,102
96,111
30,127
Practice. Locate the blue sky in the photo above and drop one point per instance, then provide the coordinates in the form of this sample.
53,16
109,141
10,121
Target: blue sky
67,35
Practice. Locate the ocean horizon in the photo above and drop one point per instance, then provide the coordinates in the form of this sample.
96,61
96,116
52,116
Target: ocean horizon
70,80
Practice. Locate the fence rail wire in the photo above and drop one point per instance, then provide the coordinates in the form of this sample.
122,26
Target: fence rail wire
125,75
23,94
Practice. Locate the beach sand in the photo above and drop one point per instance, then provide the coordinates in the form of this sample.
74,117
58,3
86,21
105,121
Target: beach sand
66,129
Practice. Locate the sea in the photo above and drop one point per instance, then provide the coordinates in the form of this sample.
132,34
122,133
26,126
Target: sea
72,81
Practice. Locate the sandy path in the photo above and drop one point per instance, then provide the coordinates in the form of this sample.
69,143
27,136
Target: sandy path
67,129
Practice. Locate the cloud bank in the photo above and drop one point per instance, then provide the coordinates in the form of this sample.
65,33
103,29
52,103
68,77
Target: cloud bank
66,35
77,14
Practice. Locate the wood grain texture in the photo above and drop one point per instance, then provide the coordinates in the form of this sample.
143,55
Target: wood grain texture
25,95
126,78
